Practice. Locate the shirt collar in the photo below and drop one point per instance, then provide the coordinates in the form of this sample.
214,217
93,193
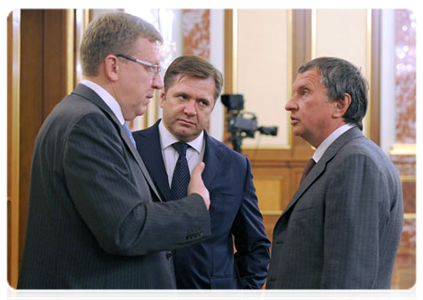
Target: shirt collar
167,139
107,98
329,140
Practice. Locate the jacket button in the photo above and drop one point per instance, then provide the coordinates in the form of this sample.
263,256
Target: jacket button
169,255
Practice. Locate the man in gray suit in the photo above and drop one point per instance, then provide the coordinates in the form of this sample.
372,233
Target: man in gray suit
95,218
342,228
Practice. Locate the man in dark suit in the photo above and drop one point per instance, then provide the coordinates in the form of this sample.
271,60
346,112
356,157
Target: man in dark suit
96,220
342,228
192,86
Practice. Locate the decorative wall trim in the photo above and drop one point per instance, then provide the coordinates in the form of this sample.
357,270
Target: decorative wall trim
368,74
14,68
82,18
374,52
403,149
231,49
313,33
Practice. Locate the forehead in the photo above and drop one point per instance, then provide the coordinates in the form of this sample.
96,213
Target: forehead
309,78
147,49
203,85
194,87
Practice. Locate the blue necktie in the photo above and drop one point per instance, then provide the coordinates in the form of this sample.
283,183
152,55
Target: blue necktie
181,176
128,131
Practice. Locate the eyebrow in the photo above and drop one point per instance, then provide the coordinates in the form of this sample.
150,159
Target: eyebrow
177,94
180,94
301,87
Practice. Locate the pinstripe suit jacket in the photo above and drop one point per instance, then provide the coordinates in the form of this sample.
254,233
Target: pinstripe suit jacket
95,217
342,228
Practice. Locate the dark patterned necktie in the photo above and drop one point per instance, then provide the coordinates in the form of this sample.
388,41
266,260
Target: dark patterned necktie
181,176
307,169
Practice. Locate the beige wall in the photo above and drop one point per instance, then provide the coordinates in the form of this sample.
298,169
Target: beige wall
264,62
343,33
263,69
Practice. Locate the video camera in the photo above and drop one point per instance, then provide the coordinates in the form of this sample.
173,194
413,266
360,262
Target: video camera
242,124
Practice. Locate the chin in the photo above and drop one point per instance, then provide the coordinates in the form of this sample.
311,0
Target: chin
181,135
296,132
141,111
184,136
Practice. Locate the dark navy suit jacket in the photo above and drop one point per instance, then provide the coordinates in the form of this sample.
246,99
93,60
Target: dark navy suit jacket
235,217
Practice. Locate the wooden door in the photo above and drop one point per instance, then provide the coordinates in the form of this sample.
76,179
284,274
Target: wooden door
40,73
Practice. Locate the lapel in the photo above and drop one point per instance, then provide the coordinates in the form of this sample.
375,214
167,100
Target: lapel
320,167
148,146
92,96
213,157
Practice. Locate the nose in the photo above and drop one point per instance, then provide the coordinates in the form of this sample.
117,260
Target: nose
157,82
291,105
189,108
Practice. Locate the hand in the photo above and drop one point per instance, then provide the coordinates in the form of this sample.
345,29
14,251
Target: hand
196,185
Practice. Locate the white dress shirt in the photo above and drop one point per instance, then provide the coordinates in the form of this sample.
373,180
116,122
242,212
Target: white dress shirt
329,140
195,152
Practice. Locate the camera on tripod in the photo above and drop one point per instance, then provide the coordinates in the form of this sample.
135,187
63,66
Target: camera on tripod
242,124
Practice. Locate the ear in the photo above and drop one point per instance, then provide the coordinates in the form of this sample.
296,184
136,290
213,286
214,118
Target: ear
111,68
341,106
162,98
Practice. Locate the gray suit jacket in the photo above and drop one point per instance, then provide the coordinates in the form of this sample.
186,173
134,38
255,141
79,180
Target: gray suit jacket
95,217
342,228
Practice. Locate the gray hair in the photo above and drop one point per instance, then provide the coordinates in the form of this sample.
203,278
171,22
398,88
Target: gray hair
113,33
339,77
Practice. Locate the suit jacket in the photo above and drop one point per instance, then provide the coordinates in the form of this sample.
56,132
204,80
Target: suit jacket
342,228
234,213
95,218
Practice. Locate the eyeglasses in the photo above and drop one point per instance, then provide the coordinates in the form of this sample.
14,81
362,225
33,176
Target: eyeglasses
153,69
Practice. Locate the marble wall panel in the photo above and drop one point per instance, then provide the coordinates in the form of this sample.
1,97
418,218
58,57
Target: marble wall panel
405,56
407,247
404,275
409,196
196,32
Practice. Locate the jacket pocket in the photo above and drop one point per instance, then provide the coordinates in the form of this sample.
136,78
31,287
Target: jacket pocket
225,285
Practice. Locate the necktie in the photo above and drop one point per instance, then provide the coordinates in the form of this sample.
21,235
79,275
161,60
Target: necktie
310,164
128,131
181,176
